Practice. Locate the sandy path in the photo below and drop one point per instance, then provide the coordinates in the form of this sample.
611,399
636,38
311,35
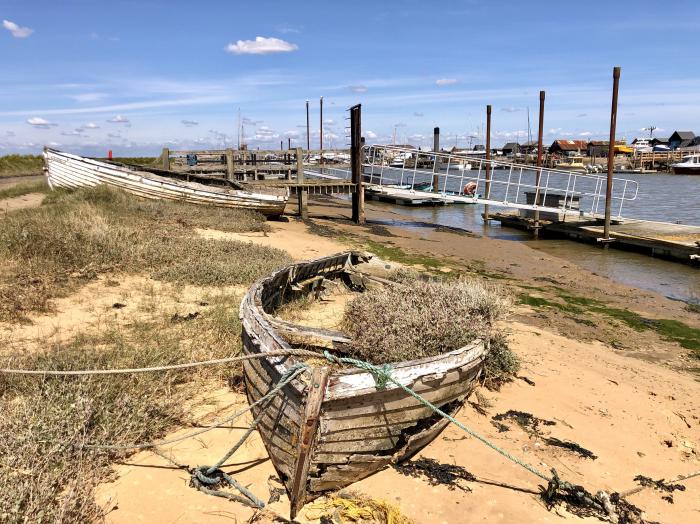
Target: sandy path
621,409
21,202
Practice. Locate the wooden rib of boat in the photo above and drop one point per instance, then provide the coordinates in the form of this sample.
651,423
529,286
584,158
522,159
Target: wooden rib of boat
72,171
331,428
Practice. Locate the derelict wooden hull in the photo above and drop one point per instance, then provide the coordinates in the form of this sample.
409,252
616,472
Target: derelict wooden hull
325,438
71,171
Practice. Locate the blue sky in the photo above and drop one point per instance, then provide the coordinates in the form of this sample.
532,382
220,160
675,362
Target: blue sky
133,76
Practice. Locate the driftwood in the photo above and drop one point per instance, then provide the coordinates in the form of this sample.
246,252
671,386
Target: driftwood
327,437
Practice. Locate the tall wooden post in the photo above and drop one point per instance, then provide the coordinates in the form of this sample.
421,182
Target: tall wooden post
229,163
611,157
487,190
320,136
436,163
308,134
358,197
538,172
165,155
299,152
302,194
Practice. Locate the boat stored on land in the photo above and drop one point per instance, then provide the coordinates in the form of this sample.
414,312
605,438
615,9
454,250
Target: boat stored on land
73,171
333,427
689,165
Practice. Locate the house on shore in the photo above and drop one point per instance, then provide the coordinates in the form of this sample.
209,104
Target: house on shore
568,147
681,139
511,149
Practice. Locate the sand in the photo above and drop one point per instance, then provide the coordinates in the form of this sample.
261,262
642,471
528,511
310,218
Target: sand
634,405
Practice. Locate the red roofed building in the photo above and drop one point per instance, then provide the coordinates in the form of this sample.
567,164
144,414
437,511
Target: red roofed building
568,147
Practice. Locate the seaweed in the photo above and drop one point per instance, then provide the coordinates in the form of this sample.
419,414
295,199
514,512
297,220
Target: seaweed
526,421
436,473
660,484
570,446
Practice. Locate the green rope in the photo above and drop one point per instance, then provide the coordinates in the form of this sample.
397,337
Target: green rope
383,376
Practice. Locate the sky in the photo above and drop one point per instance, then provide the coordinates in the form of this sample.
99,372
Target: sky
136,76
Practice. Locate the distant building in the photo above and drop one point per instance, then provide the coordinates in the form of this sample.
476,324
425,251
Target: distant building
681,139
530,148
598,148
511,149
568,147
658,142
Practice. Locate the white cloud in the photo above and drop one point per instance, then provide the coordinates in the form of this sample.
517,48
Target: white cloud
445,81
585,133
511,109
119,119
40,123
261,46
582,115
90,125
88,97
329,121
371,135
77,132
358,89
17,31
417,114
114,135
189,123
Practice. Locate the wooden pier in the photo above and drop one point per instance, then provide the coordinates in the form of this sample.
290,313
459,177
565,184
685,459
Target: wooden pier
679,242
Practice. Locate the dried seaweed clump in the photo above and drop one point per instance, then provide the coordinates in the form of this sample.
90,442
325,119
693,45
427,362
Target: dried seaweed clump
417,319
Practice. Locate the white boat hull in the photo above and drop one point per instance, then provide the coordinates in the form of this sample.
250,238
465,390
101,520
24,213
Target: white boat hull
69,171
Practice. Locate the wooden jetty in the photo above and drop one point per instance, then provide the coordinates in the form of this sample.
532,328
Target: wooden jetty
679,242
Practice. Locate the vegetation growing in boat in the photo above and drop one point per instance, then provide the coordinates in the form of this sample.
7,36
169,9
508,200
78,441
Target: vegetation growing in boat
74,236
45,473
20,165
422,318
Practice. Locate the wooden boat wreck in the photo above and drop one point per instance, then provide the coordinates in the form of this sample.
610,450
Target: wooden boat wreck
72,171
332,427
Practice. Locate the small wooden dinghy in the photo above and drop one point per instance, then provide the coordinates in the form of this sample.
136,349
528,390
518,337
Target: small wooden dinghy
331,428
72,171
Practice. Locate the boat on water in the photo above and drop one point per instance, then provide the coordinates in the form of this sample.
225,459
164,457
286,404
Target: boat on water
72,171
332,427
689,165
574,163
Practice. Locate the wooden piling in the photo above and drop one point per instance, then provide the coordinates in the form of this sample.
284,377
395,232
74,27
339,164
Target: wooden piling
538,172
358,197
611,157
487,190
229,163
300,162
436,164
320,136
165,155
302,194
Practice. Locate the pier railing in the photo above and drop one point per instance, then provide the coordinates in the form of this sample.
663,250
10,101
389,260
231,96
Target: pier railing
494,182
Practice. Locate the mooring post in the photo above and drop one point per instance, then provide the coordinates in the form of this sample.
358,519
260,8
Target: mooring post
320,135
229,163
300,162
308,134
538,172
611,157
358,197
302,194
436,163
487,189
165,155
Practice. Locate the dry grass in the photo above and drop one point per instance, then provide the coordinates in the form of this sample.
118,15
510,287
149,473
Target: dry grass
45,472
24,189
422,318
50,250
20,165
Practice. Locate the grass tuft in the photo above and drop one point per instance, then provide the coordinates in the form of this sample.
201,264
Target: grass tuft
21,165
74,236
24,189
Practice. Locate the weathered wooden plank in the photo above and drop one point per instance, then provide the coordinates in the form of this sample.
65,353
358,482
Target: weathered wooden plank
314,399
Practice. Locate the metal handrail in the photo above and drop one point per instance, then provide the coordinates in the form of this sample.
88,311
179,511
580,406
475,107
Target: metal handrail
575,189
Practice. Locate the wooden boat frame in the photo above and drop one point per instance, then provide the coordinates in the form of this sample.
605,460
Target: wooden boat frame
335,427
73,171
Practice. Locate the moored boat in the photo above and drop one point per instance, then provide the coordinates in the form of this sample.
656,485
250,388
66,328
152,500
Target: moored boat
73,171
333,427
689,165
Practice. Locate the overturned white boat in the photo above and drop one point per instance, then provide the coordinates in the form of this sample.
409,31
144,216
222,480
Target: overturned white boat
72,171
